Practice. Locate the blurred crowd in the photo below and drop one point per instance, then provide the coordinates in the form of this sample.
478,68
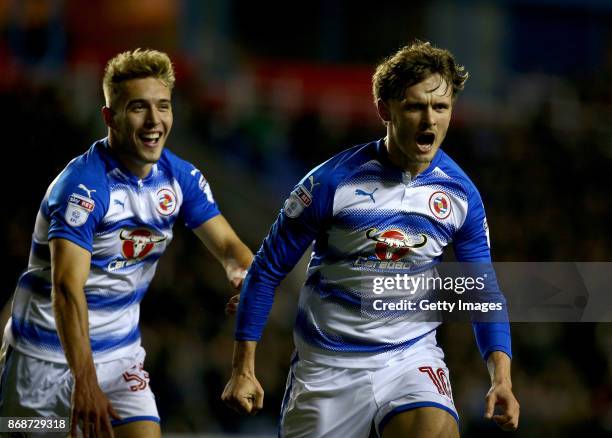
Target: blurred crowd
540,152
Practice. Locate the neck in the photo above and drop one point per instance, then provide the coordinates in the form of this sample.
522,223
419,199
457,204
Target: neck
135,167
404,162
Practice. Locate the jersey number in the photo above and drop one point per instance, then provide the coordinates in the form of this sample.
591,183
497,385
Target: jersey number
140,381
439,378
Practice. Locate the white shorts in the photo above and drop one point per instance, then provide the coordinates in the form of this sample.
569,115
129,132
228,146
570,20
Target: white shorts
323,401
30,387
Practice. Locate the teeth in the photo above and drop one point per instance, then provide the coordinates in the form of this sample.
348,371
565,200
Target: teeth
154,136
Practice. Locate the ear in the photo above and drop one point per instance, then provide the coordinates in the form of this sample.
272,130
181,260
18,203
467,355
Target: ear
383,110
107,115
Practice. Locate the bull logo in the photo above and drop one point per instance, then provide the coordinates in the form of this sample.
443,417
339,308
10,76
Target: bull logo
138,243
393,244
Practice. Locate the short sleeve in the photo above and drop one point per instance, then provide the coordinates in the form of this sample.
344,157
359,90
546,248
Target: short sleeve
198,202
76,204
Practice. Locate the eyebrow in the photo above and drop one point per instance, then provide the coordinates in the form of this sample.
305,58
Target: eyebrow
435,99
133,101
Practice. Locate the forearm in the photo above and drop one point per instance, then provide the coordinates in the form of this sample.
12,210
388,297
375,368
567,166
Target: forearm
498,364
243,362
256,299
222,241
90,407
236,258
72,322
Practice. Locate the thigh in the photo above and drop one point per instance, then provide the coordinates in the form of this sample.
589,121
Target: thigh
135,429
127,385
426,422
327,402
138,429
416,382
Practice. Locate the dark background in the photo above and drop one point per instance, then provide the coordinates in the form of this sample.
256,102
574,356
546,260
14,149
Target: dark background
267,90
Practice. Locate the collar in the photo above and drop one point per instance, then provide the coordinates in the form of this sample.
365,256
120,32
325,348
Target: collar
115,163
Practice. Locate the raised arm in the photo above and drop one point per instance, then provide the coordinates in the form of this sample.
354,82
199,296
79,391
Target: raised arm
69,271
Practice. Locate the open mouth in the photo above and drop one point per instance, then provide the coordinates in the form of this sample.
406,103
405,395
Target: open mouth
150,139
425,141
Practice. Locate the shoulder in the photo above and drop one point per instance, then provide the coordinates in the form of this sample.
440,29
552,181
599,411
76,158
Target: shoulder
81,188
181,170
455,173
343,165
91,161
87,172
189,178
320,184
174,163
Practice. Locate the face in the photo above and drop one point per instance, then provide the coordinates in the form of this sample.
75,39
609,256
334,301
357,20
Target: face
417,124
139,122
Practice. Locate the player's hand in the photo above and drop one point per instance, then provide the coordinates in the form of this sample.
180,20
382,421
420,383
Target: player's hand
232,305
500,395
236,276
91,410
244,394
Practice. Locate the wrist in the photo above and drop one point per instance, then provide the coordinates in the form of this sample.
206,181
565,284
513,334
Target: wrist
501,381
85,373
243,373
85,381
498,365
243,362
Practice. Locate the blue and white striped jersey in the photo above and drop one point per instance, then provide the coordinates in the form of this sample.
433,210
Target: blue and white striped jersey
126,223
367,218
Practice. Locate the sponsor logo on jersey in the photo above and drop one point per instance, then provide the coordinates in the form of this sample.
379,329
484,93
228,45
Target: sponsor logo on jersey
440,205
78,209
299,199
367,264
136,245
485,227
304,195
166,202
393,244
